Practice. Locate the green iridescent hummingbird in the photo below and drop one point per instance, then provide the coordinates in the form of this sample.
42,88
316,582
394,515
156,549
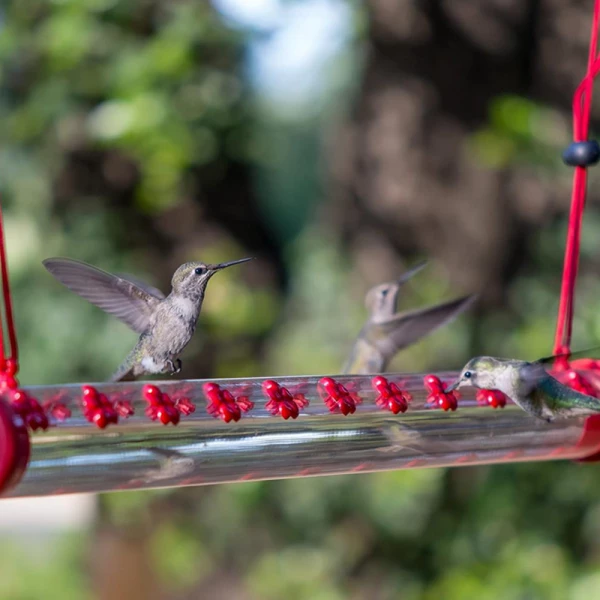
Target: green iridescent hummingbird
529,385
386,331
165,323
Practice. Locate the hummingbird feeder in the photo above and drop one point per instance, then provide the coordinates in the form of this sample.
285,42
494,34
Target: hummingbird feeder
123,436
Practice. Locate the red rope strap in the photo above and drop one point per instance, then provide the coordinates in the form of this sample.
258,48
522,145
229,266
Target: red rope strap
11,360
582,102
27,407
14,439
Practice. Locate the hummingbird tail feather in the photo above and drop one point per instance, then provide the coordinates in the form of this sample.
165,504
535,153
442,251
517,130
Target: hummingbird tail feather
586,403
125,370
123,376
560,398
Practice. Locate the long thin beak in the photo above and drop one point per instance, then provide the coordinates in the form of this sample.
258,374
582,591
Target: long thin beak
229,264
454,386
411,273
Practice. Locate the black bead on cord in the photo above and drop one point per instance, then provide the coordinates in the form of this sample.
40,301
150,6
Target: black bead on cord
582,154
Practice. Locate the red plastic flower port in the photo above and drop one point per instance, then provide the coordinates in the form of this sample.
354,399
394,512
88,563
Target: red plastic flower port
59,410
160,406
281,401
26,406
575,381
222,404
336,397
8,380
97,408
121,402
568,373
437,396
390,396
124,408
30,410
493,398
185,406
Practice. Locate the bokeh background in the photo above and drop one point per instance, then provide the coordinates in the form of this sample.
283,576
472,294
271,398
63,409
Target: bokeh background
339,142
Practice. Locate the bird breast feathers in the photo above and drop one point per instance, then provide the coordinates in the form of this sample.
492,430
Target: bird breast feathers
185,308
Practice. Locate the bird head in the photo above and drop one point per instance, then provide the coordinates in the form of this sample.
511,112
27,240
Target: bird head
191,278
482,372
381,300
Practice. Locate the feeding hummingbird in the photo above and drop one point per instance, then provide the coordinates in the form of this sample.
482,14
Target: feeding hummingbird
387,331
165,323
528,385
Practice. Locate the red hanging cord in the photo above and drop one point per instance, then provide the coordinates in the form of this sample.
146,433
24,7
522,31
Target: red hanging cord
582,103
14,439
10,325
24,405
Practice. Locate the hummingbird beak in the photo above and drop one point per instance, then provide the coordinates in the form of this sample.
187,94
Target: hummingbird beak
411,273
229,264
455,385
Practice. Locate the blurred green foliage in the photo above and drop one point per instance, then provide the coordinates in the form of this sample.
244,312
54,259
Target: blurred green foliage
113,115
44,568
520,131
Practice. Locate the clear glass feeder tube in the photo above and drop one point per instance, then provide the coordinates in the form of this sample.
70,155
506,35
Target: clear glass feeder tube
74,455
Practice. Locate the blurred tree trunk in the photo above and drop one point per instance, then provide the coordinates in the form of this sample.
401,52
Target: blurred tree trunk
121,565
405,177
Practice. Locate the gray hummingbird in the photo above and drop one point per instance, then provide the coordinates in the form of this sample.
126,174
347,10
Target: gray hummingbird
528,385
386,331
165,323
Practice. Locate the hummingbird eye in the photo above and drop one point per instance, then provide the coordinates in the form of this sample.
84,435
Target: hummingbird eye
468,374
200,270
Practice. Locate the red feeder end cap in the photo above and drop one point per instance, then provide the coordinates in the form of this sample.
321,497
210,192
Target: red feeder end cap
14,447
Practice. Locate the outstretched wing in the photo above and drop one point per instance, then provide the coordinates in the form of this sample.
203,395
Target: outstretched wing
115,295
589,353
408,327
142,285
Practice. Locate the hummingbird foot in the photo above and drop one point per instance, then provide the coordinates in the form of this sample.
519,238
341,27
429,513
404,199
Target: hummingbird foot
175,366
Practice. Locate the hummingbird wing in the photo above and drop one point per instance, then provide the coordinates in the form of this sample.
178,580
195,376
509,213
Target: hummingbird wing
548,360
530,377
115,295
143,285
406,328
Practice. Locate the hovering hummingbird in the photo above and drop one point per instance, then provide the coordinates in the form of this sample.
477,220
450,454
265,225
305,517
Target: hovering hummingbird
165,323
528,385
387,331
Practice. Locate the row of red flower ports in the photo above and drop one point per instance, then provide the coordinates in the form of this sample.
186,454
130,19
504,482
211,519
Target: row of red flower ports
101,410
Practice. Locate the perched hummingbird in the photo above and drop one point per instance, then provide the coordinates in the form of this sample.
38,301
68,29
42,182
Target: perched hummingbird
528,385
387,331
165,324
